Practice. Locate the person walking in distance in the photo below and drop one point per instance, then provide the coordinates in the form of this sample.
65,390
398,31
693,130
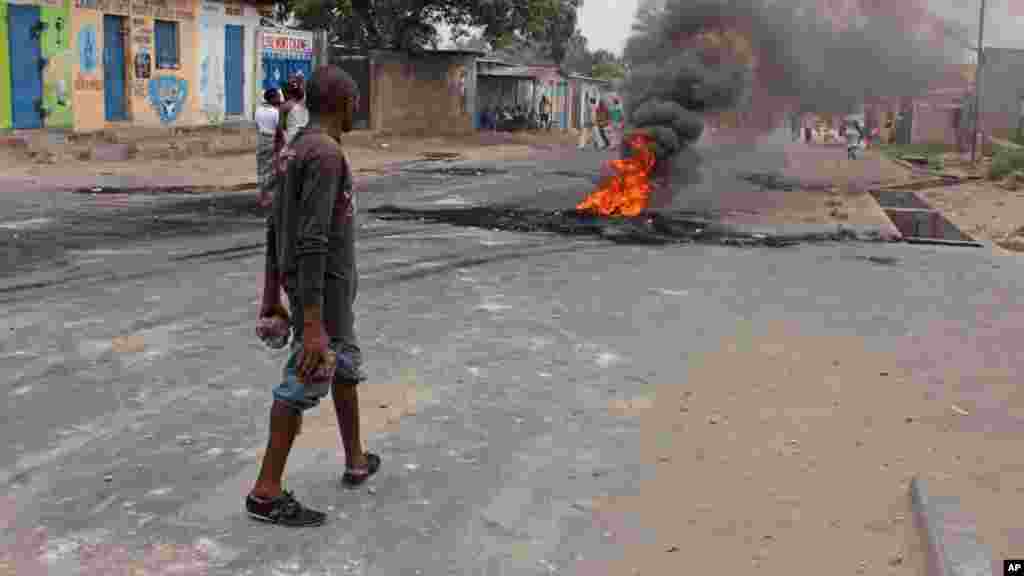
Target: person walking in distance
603,119
587,126
267,116
311,254
618,120
854,136
545,112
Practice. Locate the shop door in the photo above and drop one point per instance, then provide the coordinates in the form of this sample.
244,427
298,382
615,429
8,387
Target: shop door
234,69
113,69
26,66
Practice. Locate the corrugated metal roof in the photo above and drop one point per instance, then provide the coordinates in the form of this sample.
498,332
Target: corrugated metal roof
513,72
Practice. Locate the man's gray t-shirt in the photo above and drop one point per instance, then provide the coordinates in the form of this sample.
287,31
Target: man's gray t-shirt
314,218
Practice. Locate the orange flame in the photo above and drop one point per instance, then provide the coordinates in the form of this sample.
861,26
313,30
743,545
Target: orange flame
626,192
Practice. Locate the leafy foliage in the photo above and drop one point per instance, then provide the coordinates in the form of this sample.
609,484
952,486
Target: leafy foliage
1006,162
411,25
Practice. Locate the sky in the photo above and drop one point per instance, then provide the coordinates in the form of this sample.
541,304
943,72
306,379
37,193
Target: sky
607,23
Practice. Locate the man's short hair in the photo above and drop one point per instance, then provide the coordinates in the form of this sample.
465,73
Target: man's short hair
329,90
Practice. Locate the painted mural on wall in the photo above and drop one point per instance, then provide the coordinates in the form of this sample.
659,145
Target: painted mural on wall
5,73
167,95
117,7
143,64
142,46
211,68
87,49
55,42
88,78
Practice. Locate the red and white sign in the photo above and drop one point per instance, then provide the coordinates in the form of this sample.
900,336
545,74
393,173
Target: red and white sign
287,45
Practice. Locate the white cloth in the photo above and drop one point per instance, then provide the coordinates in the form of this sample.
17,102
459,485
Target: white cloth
298,117
266,119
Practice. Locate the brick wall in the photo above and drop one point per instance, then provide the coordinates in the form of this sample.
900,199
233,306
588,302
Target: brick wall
422,95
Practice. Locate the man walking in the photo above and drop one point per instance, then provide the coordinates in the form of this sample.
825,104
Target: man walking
311,253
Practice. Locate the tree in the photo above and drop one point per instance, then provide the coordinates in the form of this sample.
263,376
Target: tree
607,66
411,25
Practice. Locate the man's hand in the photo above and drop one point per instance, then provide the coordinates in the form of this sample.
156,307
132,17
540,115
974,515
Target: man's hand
265,200
314,343
273,319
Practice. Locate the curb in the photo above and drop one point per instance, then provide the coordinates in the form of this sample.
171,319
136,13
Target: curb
942,539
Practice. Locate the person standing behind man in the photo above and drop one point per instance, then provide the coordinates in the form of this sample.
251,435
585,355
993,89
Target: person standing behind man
294,115
311,253
267,117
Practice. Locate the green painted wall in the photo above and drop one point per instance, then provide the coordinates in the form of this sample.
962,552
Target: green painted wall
5,71
56,48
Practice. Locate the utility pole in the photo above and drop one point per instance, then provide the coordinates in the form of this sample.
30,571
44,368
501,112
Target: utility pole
977,83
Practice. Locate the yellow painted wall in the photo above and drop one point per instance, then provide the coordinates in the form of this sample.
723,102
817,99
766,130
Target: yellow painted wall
149,91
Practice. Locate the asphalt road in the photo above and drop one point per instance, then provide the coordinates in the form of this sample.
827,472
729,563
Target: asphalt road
492,358
56,233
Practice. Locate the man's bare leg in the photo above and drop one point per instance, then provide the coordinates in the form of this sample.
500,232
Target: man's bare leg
284,424
346,408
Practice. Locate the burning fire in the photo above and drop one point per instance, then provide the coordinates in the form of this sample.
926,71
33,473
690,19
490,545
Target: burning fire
626,192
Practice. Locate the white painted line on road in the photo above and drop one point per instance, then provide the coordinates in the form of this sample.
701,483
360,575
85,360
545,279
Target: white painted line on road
25,224
606,359
667,292
453,201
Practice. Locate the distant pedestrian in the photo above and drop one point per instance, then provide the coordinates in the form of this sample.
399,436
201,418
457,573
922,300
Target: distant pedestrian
587,125
854,136
267,116
311,253
618,120
603,120
545,112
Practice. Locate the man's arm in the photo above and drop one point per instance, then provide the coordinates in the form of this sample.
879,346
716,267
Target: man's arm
271,301
315,213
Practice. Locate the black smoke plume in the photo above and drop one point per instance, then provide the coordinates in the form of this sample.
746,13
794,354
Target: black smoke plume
801,53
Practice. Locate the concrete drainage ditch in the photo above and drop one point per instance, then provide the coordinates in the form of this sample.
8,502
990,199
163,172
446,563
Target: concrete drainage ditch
917,221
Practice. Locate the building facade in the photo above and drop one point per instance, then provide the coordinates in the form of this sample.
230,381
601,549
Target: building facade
229,69
282,53
36,57
137,62
1002,92
90,65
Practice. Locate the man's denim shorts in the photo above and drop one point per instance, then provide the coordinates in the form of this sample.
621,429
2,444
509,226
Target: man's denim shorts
304,396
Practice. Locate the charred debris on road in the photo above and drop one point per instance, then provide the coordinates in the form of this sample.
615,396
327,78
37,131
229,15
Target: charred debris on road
653,228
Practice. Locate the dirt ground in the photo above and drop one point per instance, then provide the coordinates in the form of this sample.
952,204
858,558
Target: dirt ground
226,157
843,197
983,210
795,452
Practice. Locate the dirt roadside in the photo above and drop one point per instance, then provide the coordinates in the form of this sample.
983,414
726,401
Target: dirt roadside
985,211
225,158
778,453
838,188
